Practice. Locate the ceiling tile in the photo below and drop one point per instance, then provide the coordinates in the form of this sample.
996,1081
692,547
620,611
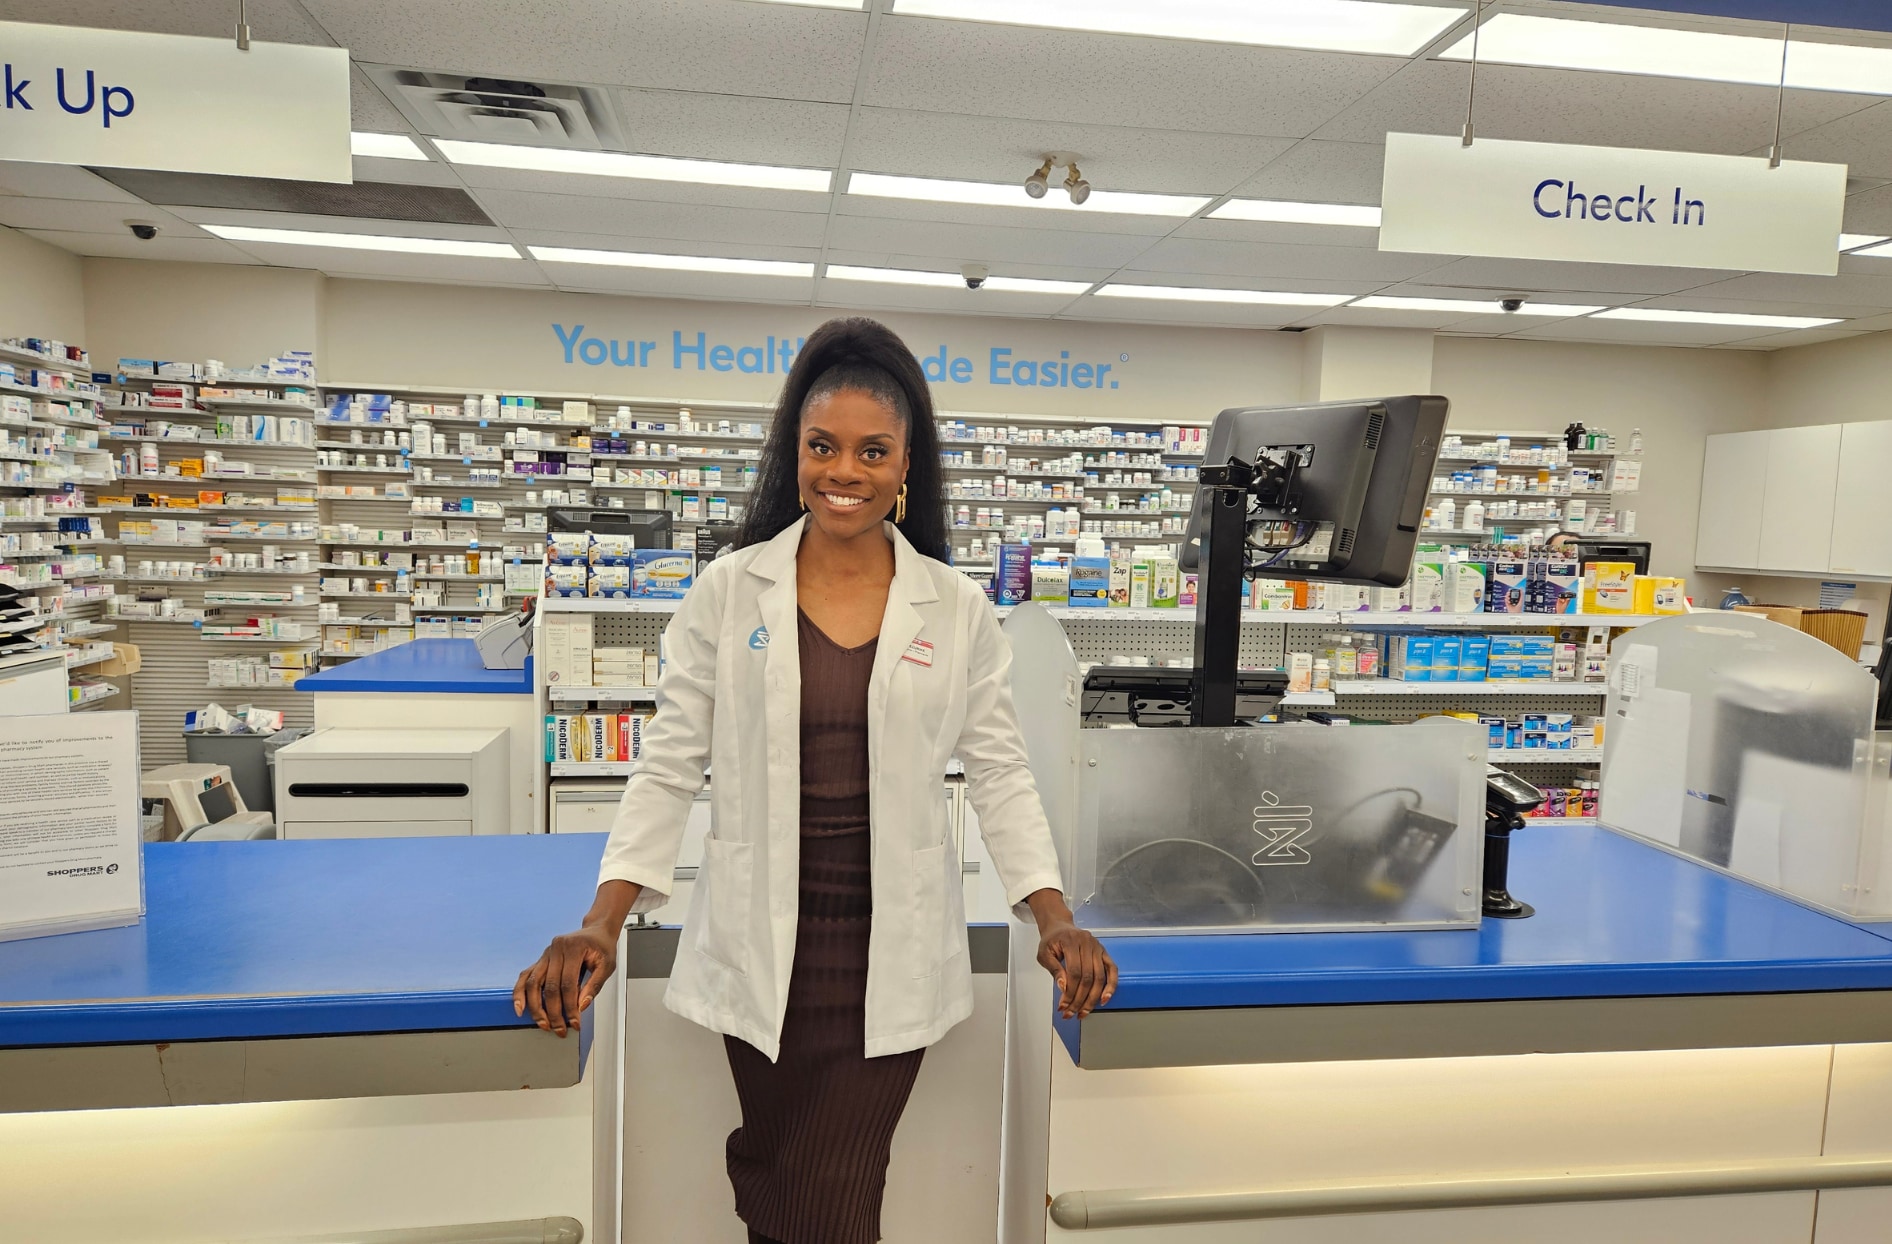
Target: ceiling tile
1861,282
988,243
79,216
271,21
405,172
1363,318
929,263
1098,79
704,126
1037,220
998,149
370,110
657,284
125,246
779,50
1317,171
1234,262
1568,106
1861,140
60,181
865,296
371,268
1636,332
1195,314
623,217
1870,211
1798,337
1213,230
1710,299
1528,275
389,263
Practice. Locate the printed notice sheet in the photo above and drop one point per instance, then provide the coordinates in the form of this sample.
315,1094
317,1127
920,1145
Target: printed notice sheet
69,824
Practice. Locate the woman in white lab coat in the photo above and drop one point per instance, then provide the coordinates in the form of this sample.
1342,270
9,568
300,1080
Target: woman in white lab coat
830,668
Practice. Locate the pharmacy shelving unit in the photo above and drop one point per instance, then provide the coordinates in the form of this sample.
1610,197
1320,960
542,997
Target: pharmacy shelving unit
51,464
1535,474
251,438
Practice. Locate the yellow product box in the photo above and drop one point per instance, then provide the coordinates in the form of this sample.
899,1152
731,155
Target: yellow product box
190,468
1609,587
1659,594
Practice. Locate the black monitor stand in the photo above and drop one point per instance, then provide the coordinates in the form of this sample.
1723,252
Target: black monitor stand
1219,592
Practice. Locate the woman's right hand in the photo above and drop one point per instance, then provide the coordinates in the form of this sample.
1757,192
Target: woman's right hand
559,987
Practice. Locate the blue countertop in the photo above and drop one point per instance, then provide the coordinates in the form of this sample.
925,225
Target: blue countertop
433,666
261,939
1615,918
305,938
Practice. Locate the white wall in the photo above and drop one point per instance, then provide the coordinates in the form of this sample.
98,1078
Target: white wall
1677,397
381,332
41,292
238,314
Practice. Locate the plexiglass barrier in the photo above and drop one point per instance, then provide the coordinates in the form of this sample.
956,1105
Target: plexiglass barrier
1279,828
1749,746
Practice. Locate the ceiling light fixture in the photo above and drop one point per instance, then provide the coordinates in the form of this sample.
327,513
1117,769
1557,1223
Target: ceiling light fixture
1036,183
1467,306
1730,318
673,263
1282,212
821,4
384,146
1076,186
1193,293
363,241
987,194
1317,25
1662,52
640,167
1864,244
954,280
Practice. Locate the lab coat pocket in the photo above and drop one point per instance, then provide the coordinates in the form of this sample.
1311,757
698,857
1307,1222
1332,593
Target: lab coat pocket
938,934
729,876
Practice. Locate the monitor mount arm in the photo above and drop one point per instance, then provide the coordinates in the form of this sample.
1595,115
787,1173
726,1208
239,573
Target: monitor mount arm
1234,488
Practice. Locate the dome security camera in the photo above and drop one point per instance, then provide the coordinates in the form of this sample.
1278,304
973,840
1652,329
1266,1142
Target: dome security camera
1076,186
975,274
1511,305
143,230
1036,184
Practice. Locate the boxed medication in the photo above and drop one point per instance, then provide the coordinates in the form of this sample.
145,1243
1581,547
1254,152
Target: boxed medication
1090,582
1474,651
1164,582
1445,657
1610,587
1119,583
1410,657
1563,585
1426,588
661,574
1013,576
609,582
1050,582
1504,593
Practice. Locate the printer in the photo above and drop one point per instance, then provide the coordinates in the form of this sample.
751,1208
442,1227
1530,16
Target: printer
344,782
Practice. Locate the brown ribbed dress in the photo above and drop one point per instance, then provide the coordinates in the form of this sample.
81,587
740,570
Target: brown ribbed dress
809,1162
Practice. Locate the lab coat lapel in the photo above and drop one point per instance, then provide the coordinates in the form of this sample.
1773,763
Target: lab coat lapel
777,604
900,625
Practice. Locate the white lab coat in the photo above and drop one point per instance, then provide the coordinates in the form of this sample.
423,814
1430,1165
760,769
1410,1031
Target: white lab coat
731,690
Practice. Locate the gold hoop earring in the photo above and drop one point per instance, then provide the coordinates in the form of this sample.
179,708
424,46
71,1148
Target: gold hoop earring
801,500
900,506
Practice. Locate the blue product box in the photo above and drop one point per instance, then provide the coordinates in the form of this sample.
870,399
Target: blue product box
1013,580
1504,668
1445,652
662,574
1474,652
1535,667
1090,582
1412,657
1494,730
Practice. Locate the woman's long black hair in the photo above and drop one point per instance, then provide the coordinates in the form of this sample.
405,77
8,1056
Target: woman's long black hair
863,354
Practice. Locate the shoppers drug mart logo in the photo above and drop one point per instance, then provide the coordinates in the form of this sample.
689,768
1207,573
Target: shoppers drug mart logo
1285,832
996,366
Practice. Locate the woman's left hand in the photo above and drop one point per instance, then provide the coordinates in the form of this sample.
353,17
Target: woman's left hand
1085,972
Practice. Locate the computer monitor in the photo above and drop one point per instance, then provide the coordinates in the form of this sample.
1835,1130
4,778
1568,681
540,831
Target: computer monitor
1340,487
648,529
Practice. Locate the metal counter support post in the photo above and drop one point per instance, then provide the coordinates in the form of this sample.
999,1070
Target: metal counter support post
1219,595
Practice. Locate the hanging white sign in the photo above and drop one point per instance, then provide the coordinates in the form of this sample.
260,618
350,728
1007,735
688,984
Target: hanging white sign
1675,209
120,99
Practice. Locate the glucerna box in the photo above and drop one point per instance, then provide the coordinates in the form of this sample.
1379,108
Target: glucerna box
662,574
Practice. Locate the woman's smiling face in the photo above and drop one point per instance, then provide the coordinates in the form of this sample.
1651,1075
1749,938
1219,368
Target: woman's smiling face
851,463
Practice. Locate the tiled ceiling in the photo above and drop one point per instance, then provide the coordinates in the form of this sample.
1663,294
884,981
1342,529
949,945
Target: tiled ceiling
873,91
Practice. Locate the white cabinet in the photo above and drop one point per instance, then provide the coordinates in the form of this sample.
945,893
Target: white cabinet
1733,479
1862,501
1797,507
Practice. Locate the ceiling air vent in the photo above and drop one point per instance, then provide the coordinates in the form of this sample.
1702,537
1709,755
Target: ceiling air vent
493,109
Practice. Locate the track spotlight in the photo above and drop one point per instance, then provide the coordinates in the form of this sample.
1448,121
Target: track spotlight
1075,185
1036,183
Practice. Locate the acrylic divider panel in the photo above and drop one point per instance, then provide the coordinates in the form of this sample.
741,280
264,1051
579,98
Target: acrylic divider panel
1749,746
1046,690
1280,828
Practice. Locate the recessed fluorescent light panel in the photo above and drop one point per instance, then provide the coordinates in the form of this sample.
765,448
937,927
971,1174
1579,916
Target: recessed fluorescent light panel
640,167
1319,25
384,146
1191,293
1849,242
1467,306
363,241
1876,248
673,263
990,194
1729,318
950,280
1278,211
1655,51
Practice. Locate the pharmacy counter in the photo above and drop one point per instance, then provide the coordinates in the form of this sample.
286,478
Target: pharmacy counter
1690,1036
440,684
277,971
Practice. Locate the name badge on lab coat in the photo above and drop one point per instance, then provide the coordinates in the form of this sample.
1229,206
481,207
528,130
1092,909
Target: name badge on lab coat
919,652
